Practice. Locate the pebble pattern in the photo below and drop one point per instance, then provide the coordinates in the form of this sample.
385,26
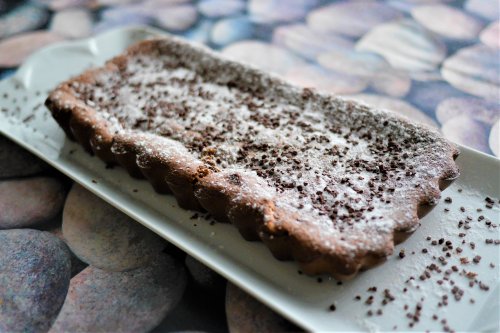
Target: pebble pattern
391,82
15,49
220,8
353,62
133,301
487,9
309,43
34,278
405,45
103,236
428,95
294,38
230,30
438,18
246,314
23,19
465,130
17,162
29,202
204,276
491,35
487,112
351,18
76,264
72,23
474,70
177,18
265,11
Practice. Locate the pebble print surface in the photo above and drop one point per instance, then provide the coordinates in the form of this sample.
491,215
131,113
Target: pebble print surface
34,278
200,309
351,18
133,301
439,18
76,264
246,314
265,11
428,95
22,19
15,49
485,8
104,237
29,202
487,112
177,18
293,38
220,8
475,70
72,23
308,43
230,30
391,82
490,36
64,4
204,276
353,62
405,45
17,162
467,131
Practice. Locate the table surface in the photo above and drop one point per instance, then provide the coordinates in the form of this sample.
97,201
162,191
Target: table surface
436,62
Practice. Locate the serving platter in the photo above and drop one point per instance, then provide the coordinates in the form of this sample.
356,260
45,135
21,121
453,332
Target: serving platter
307,301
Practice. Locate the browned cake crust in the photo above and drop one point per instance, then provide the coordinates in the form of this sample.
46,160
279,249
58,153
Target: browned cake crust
327,182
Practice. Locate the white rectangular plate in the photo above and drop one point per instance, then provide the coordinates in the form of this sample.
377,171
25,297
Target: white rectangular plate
250,265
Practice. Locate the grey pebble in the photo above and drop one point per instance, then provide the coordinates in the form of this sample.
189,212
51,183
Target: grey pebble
133,301
18,162
34,279
204,276
103,236
30,201
76,264
246,314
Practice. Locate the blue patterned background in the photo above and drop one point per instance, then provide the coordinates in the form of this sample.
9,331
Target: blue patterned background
435,61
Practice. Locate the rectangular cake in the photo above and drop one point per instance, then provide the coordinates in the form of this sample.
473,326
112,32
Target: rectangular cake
327,182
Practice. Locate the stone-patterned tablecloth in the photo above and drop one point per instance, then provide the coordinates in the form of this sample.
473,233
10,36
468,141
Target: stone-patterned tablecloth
435,61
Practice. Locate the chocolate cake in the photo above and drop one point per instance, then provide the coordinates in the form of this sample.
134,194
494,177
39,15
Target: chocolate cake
328,182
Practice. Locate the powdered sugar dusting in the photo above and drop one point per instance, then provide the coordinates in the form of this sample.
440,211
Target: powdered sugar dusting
351,175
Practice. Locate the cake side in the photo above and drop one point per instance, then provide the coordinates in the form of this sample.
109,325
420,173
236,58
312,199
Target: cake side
331,234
